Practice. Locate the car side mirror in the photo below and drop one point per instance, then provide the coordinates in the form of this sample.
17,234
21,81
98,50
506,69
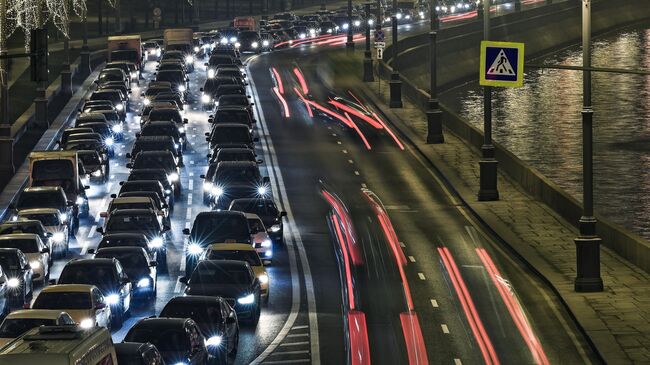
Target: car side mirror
186,231
86,187
128,155
91,251
100,305
211,116
52,281
69,203
45,250
129,165
103,214
260,161
205,64
183,279
209,155
137,135
207,134
121,183
210,120
202,176
141,94
248,96
283,214
153,263
36,276
185,121
207,139
113,196
252,104
266,180
48,234
100,230
256,139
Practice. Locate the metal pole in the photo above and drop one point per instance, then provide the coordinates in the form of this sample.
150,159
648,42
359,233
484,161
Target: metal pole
588,243
367,56
395,80
380,18
488,164
322,5
350,43
434,114
435,24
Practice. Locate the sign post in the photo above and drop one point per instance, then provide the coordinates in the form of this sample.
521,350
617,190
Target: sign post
157,17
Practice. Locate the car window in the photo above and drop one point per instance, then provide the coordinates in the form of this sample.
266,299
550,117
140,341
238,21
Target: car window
251,257
10,261
256,225
45,219
62,300
164,339
219,228
25,245
12,328
40,200
136,223
214,274
102,276
98,298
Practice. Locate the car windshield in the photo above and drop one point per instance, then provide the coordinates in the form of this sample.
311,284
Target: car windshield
140,205
199,312
232,116
102,276
237,174
62,300
48,219
39,200
159,130
251,257
25,245
235,156
110,76
173,77
154,161
10,228
89,158
216,274
9,261
233,100
133,264
256,225
106,95
209,228
231,135
135,223
261,208
166,340
122,241
12,328
248,35
163,115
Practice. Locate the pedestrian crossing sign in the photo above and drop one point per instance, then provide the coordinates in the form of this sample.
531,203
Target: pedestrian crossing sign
502,64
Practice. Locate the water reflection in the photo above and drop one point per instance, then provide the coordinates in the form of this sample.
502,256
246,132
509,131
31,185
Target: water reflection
541,124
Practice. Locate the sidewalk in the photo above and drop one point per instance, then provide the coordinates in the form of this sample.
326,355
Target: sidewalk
617,321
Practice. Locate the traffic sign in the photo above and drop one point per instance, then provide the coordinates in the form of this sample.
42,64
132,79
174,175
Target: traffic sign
502,64
380,53
157,12
379,36
381,45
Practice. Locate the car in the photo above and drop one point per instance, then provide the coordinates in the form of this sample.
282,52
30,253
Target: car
166,114
233,154
84,303
154,90
216,319
241,252
112,75
162,160
70,131
267,210
172,65
217,60
249,41
106,274
96,166
138,267
135,353
48,197
103,128
137,202
59,234
230,90
156,104
151,50
22,225
119,100
116,85
177,78
143,221
94,144
127,240
37,253
234,115
18,274
161,176
225,135
237,179
214,227
21,321
240,100
163,129
156,143
172,96
261,240
179,340
234,281
143,185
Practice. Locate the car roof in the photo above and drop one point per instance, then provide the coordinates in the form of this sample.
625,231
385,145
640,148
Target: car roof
255,200
125,235
155,153
231,247
24,236
127,348
92,262
9,250
194,299
132,212
222,213
60,288
161,322
36,313
130,199
224,263
230,125
38,189
236,164
252,216
132,249
39,211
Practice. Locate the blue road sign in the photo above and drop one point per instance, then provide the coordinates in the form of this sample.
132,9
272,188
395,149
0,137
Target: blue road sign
379,36
502,64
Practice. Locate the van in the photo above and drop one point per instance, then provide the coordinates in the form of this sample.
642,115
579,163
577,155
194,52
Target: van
60,345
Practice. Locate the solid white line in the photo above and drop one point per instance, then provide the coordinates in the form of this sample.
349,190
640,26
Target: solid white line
421,276
434,303
411,258
295,343
177,288
298,352
458,362
345,151
356,172
190,184
92,231
299,327
445,329
402,244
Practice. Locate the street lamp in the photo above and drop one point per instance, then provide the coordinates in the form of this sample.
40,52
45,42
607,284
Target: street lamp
434,114
588,243
433,4
350,43
367,56
395,81
488,164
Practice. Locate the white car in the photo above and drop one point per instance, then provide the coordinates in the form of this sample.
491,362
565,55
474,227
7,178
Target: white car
261,240
84,303
36,251
18,322
51,220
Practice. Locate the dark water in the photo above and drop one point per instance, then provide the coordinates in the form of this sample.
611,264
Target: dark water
541,124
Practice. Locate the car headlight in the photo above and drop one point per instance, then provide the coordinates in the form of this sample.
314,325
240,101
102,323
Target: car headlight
182,88
176,145
213,341
181,130
86,323
58,237
109,141
157,242
223,41
268,254
189,59
262,190
407,16
210,73
180,363
217,191
249,299
194,249
346,26
398,16
146,101
80,200
63,217
264,279
233,39
196,49
302,35
207,186
119,106
112,299
134,74
34,264
173,177
97,173
421,13
312,31
275,228
255,44
266,243
357,23
371,21
205,98
158,53
237,44
117,128
265,43
452,9
167,191
144,283
13,282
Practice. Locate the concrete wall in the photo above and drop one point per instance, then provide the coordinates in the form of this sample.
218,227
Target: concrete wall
542,29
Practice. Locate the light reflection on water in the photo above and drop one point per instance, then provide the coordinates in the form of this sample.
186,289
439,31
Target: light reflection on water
541,124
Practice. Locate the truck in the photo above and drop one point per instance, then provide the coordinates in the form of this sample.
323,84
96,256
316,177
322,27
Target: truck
180,39
125,48
64,169
244,23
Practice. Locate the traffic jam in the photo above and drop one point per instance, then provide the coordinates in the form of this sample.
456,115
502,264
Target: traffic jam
158,185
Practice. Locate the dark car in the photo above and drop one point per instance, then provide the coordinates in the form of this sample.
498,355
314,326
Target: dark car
249,41
18,274
96,166
94,144
127,240
217,60
235,180
329,27
103,128
47,197
161,160
235,115
230,90
135,353
214,227
119,100
138,267
163,129
179,340
143,185
216,319
175,97
235,100
229,135
159,175
166,114
108,276
176,77
156,143
112,75
70,131
156,104
234,154
33,226
232,280
154,90
151,50
144,221
266,210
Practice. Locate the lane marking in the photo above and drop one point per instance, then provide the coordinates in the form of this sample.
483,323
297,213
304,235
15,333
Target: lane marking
421,276
177,288
363,185
297,352
445,329
190,185
188,216
295,343
93,229
345,151
299,327
402,244
338,142
356,172
350,161
434,303
411,258
458,362
298,335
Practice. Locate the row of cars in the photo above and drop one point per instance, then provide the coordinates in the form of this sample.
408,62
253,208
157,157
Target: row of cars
227,247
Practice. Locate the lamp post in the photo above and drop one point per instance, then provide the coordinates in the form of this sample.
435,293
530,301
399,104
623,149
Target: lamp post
434,114
367,55
395,81
435,22
488,164
588,243
350,43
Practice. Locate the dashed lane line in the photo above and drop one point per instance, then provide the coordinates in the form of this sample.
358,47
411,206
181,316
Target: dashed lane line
445,329
421,276
434,303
